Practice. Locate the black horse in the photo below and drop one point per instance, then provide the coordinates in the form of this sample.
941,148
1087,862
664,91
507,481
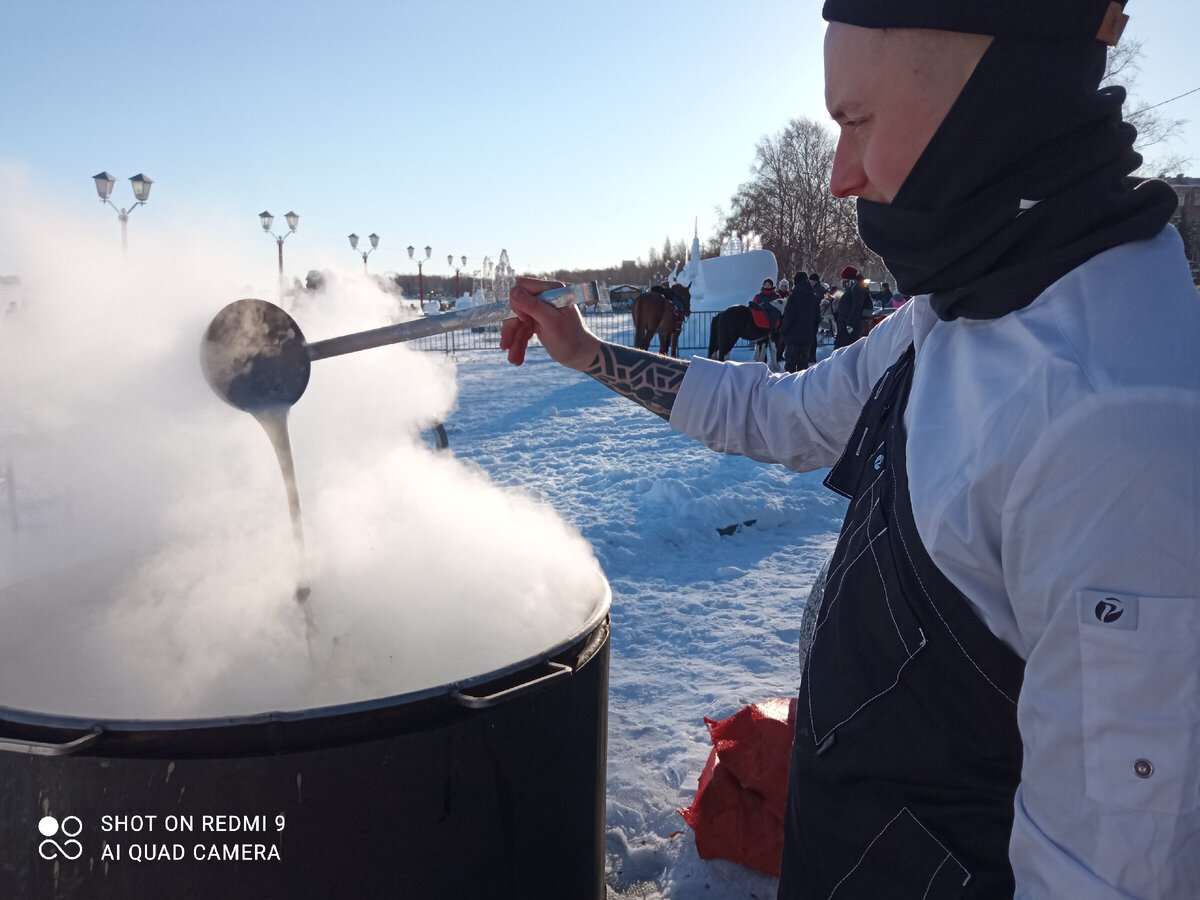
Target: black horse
737,323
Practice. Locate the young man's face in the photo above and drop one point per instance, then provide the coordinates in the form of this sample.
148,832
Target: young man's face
889,91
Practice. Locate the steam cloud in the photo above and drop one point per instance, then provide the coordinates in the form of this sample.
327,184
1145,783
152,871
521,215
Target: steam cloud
147,568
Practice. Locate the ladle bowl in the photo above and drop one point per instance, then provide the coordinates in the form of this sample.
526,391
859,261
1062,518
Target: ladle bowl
254,356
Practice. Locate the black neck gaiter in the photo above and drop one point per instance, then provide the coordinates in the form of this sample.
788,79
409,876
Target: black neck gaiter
1024,180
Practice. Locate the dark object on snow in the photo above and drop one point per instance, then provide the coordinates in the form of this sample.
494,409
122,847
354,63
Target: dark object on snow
735,527
738,810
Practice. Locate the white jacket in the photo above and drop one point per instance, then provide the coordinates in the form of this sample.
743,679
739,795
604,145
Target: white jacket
1054,465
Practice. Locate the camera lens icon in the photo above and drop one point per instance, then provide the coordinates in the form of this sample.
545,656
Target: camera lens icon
70,827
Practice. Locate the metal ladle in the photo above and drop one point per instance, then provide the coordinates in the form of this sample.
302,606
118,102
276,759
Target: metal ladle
255,357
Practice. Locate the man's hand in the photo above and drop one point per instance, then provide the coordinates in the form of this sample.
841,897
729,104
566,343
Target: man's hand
561,331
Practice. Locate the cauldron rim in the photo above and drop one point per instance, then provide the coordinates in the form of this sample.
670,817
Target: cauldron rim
426,698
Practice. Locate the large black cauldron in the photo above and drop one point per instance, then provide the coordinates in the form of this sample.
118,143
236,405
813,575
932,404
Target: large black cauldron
487,788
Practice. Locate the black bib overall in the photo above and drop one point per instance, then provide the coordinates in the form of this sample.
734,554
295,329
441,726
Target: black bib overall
906,755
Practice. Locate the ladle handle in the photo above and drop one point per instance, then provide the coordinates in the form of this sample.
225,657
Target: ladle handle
586,293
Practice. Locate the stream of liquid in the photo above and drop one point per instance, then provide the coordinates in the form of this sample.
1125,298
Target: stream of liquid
274,422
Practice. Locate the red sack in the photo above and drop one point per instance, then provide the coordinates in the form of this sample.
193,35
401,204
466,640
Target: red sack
738,810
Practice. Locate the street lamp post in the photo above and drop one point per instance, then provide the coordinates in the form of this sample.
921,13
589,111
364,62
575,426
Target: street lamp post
292,220
457,269
141,193
374,239
420,272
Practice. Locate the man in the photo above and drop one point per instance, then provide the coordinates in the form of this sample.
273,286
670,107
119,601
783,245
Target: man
1003,690
854,309
883,296
801,317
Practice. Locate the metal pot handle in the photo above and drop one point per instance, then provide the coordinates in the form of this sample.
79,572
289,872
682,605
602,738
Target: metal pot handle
472,701
41,748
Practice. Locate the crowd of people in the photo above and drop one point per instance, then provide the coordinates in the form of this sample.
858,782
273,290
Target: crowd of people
796,312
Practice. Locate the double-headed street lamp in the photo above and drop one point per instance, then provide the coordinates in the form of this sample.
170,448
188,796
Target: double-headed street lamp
457,269
420,272
292,220
141,192
374,239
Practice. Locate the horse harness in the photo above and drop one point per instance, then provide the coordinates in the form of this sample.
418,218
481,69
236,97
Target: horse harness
676,302
677,305
906,755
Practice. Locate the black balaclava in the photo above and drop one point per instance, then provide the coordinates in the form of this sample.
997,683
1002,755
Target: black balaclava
1025,178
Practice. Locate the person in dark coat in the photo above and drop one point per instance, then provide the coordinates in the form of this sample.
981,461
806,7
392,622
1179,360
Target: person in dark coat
854,307
801,317
821,292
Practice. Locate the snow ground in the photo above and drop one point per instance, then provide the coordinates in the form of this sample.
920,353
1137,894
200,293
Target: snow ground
703,624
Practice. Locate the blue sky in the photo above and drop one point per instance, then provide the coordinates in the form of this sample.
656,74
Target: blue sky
571,135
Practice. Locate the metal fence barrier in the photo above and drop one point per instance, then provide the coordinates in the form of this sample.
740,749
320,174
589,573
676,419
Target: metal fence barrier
616,327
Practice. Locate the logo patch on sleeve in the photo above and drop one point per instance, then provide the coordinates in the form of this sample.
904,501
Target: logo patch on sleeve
1107,610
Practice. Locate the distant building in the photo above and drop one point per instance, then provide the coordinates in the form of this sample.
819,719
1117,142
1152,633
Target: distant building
622,295
1187,219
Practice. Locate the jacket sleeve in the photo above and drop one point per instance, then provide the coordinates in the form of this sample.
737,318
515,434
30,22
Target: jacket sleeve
801,420
1100,533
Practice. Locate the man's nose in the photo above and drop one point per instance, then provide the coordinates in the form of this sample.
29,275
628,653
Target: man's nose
847,178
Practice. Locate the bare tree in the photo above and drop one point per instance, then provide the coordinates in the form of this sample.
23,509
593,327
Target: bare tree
1155,131
787,201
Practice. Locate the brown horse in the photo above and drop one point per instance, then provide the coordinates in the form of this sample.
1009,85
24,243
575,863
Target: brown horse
655,313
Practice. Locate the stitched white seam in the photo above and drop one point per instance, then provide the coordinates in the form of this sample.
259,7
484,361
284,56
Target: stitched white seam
874,840
935,840
828,604
866,497
932,877
866,851
933,606
887,600
836,576
812,722
840,575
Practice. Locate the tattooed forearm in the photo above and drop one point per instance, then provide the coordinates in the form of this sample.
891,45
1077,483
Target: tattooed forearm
650,379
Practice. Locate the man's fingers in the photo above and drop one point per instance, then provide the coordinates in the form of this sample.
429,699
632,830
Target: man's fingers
515,335
522,297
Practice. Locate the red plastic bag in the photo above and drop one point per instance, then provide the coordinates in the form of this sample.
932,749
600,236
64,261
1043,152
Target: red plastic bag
738,810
